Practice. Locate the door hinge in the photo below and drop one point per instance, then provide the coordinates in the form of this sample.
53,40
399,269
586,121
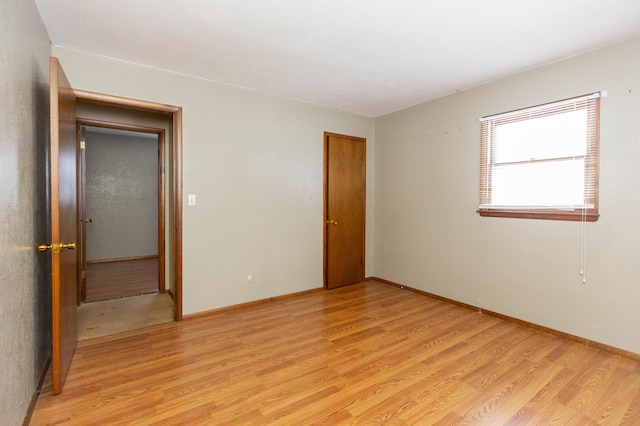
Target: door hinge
83,274
83,145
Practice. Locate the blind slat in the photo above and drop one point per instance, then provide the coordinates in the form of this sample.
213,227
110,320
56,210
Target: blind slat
590,103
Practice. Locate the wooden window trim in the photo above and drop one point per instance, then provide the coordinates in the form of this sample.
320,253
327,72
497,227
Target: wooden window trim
592,159
552,214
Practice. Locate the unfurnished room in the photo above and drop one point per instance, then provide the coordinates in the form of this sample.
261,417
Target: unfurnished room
334,212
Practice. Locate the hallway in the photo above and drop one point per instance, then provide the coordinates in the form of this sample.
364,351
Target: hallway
114,316
121,296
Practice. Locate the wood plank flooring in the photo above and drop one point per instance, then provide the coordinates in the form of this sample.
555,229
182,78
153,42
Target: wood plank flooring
364,354
111,280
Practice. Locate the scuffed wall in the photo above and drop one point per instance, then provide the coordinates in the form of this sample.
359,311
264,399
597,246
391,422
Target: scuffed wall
25,314
429,236
121,195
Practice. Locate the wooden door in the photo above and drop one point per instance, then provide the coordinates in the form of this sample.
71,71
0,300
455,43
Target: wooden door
344,209
64,264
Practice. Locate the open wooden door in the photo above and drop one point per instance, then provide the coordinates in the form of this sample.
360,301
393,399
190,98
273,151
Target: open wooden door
344,209
64,263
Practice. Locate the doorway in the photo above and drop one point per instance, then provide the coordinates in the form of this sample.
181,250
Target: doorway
122,211
147,234
344,212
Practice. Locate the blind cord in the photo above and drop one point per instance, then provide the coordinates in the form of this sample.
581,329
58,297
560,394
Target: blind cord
583,247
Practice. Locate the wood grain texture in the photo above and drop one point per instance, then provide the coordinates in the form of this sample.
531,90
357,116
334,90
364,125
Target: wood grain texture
122,278
572,337
345,201
63,197
369,353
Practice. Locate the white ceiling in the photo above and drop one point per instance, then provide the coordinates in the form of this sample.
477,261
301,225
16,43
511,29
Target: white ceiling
371,57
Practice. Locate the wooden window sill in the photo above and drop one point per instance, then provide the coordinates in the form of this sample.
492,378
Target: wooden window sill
576,216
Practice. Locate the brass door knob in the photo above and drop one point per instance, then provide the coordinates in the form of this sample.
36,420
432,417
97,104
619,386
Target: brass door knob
332,222
88,220
56,247
45,247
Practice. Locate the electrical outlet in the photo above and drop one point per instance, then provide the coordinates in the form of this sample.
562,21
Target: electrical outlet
250,279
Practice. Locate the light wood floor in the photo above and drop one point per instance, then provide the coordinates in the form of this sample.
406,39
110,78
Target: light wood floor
364,354
111,280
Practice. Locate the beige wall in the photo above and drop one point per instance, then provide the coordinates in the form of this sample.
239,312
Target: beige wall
25,336
429,236
254,162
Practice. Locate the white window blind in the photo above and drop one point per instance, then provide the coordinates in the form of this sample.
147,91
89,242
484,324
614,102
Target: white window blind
543,158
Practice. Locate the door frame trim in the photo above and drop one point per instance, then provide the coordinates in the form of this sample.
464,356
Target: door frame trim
176,177
161,140
325,207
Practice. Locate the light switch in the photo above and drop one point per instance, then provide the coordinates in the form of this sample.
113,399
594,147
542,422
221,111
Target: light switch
191,199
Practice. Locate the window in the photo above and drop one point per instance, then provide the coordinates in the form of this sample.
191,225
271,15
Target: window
542,162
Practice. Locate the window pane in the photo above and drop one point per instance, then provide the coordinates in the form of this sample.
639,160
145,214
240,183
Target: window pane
538,184
555,136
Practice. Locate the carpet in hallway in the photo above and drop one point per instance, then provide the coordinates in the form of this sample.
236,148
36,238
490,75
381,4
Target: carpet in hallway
108,317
